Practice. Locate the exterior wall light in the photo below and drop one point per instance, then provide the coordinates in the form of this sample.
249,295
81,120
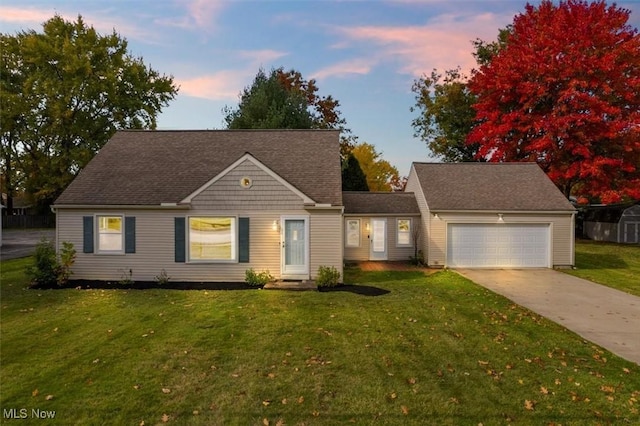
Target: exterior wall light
275,225
500,218
435,216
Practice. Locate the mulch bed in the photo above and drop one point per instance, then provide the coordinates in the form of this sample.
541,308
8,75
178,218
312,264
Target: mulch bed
146,285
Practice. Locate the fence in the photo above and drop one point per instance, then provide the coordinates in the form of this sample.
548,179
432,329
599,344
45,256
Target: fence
23,221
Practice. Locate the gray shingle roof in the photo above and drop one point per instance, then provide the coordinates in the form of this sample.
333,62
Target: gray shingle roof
489,187
144,167
395,203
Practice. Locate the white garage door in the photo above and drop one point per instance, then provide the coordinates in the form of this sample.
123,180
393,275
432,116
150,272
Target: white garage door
473,245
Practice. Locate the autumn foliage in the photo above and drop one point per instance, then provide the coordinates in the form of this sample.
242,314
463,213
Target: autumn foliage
565,92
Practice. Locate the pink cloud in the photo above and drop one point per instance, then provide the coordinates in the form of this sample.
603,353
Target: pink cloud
201,15
24,15
442,43
341,69
222,85
34,18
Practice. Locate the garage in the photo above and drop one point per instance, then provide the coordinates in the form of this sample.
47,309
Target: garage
501,245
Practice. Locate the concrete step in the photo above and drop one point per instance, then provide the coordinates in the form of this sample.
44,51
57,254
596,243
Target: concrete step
306,285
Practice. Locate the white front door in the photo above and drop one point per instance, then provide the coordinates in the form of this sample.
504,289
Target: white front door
378,244
295,247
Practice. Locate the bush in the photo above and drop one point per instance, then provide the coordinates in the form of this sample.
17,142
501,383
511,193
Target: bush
48,270
257,279
126,277
417,260
162,278
328,276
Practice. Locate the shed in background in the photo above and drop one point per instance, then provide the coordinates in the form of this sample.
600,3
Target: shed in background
618,223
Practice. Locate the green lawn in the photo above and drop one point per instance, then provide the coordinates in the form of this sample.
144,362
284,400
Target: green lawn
613,265
435,349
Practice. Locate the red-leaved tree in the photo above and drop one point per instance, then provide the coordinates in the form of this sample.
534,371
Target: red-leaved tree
565,92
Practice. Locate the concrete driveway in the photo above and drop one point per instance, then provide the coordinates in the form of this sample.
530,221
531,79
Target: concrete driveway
607,317
22,242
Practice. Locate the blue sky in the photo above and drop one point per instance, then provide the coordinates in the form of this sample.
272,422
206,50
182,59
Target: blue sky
366,54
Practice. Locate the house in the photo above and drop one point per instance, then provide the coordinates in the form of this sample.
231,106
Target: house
209,205
380,225
492,215
618,223
206,205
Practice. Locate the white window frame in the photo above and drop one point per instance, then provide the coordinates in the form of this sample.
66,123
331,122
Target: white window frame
398,232
234,239
99,249
346,233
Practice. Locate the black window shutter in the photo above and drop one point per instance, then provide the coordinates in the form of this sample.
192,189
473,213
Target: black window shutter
129,234
180,240
243,240
87,234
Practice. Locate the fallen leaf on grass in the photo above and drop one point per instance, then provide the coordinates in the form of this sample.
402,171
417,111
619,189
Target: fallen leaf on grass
35,392
544,390
626,370
284,401
301,400
529,405
265,422
166,390
280,422
412,381
607,389
165,418
483,362
404,409
266,402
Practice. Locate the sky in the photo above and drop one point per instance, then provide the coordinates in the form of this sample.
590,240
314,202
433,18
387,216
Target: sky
366,54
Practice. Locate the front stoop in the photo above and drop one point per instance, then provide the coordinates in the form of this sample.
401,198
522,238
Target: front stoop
306,285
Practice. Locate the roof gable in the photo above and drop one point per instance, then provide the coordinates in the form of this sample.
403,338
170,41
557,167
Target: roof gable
165,167
250,158
489,187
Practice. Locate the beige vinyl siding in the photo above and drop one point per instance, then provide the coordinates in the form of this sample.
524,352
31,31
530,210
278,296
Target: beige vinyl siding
413,185
155,248
325,228
265,193
561,233
263,203
394,253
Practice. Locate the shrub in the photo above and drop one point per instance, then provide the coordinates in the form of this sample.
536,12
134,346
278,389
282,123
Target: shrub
417,260
257,279
47,270
67,259
328,276
126,278
162,277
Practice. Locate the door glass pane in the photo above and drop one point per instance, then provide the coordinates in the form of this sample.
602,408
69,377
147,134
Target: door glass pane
378,236
294,238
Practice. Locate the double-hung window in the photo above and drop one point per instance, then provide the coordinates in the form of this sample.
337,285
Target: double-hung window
352,237
212,239
110,234
404,233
